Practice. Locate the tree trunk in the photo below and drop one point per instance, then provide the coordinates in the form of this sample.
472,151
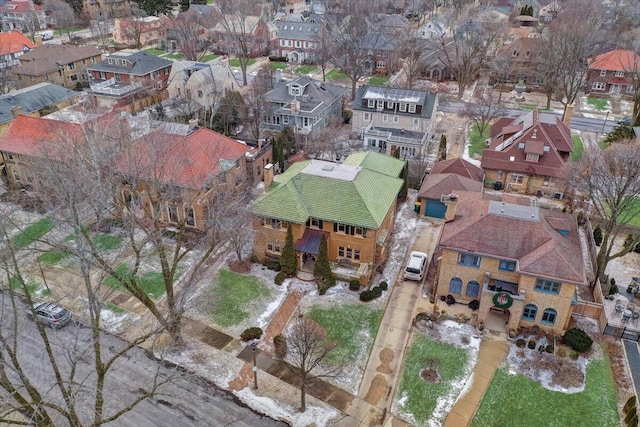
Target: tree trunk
548,101
174,328
303,397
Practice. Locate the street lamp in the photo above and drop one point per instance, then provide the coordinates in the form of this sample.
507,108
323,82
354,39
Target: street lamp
254,346
605,121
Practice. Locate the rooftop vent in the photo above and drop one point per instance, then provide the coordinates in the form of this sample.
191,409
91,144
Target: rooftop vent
327,168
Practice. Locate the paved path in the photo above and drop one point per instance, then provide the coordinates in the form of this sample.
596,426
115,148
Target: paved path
633,358
492,354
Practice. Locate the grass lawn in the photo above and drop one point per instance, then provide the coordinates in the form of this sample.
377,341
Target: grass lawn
151,283
306,69
349,325
516,400
174,56
16,284
476,140
52,257
33,232
114,308
336,75
420,396
634,207
208,57
598,103
235,62
231,294
156,52
277,65
107,242
378,80
534,107
603,145
578,148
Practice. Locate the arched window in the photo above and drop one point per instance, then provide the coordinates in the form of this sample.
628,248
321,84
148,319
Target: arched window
455,285
529,313
473,289
549,316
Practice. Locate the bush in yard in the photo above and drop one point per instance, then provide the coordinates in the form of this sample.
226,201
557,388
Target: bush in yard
384,285
366,296
274,265
631,403
574,355
288,257
633,421
613,289
252,333
577,339
254,258
531,344
279,278
521,342
354,285
325,284
322,268
597,236
280,346
562,352
549,348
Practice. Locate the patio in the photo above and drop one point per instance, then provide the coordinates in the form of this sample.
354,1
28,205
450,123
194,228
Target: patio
623,316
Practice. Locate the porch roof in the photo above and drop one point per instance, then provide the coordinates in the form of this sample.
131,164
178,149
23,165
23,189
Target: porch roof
309,243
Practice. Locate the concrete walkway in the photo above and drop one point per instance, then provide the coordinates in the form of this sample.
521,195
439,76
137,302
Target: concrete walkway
492,354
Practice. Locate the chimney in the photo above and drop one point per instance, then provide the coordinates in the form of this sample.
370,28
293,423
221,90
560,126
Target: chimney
16,110
193,123
259,145
433,88
452,205
111,49
268,176
295,106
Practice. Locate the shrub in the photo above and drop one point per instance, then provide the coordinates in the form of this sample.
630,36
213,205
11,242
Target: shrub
346,116
274,265
628,417
562,352
520,343
377,292
597,236
531,344
549,348
574,355
280,278
633,422
613,289
631,403
366,296
254,258
280,346
577,339
278,59
384,285
354,285
252,333
325,284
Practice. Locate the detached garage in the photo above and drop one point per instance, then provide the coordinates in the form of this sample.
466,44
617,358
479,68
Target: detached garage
435,209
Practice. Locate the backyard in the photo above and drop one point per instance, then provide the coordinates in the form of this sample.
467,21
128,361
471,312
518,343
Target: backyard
306,69
476,140
235,62
378,80
578,148
336,75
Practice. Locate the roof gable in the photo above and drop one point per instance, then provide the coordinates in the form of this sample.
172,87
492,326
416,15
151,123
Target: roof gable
616,60
14,42
33,98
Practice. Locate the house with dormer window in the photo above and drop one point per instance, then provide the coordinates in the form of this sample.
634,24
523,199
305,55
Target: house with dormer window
388,118
528,155
303,104
300,41
522,263
614,72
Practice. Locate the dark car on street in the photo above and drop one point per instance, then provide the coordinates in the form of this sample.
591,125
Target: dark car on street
50,314
625,122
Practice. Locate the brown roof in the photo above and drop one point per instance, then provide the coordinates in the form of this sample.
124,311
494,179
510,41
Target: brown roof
460,167
534,147
537,245
435,186
49,57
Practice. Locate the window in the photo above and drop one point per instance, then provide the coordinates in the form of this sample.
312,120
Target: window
341,251
455,285
473,289
517,178
385,117
349,253
531,157
598,85
548,181
117,77
380,105
367,117
390,104
297,43
507,265
469,260
371,103
316,223
500,174
547,286
190,217
274,246
73,77
379,64
403,107
412,108
619,73
603,73
529,313
285,120
72,66
173,213
359,231
549,316
199,94
356,254
396,119
341,228
275,223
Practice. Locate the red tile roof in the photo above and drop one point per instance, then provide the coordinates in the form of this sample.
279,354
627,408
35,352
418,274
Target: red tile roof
541,250
20,7
13,42
460,167
616,60
39,137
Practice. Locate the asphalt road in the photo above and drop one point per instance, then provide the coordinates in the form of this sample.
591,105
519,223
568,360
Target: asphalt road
184,400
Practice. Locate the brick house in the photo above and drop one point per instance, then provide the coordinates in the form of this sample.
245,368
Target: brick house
64,65
389,118
23,15
130,78
616,71
299,41
528,155
352,204
259,35
523,57
522,263
101,10
147,31
12,46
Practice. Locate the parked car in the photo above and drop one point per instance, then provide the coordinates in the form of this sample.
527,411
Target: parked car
625,122
50,314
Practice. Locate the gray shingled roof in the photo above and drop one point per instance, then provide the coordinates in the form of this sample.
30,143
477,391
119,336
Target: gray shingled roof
419,97
309,31
315,94
143,63
33,98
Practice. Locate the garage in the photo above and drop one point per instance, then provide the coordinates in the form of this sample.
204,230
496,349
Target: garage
435,209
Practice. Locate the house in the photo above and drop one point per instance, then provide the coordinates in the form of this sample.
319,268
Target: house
258,36
260,155
521,262
13,45
528,154
103,10
22,15
138,31
296,6
300,41
523,57
304,104
129,78
616,71
439,188
64,65
352,204
36,101
432,29
390,118
201,84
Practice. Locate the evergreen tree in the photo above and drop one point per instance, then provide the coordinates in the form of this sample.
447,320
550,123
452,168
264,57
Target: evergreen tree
287,140
597,235
155,7
404,190
184,5
288,257
442,149
322,268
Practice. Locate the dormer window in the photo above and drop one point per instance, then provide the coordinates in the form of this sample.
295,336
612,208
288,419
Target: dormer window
619,73
371,103
603,73
531,157
110,61
412,108
295,90
403,107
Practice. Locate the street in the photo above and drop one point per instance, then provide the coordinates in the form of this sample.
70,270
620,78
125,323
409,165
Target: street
183,400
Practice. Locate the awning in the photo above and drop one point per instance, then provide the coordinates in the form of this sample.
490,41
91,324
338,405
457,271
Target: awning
310,241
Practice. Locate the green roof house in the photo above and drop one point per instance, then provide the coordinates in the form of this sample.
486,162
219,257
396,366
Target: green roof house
352,204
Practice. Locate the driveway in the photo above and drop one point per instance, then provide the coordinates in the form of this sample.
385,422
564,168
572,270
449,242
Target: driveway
633,358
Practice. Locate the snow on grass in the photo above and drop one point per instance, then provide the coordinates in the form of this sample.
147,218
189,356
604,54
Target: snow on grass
116,323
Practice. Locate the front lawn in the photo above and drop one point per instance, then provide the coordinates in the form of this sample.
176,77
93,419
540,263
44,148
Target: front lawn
350,326
633,207
578,148
306,69
336,75
477,140
235,62
52,257
174,56
277,65
516,400
155,52
32,233
378,80
209,57
107,242
231,294
598,103
17,284
419,397
151,283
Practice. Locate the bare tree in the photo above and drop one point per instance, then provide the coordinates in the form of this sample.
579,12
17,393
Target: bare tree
257,106
188,31
610,181
323,143
7,80
485,110
311,354
62,15
412,52
133,27
323,52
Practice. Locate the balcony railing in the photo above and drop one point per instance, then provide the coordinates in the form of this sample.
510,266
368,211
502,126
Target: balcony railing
114,88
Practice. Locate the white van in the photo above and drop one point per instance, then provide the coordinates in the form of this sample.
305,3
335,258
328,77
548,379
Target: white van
46,35
416,267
